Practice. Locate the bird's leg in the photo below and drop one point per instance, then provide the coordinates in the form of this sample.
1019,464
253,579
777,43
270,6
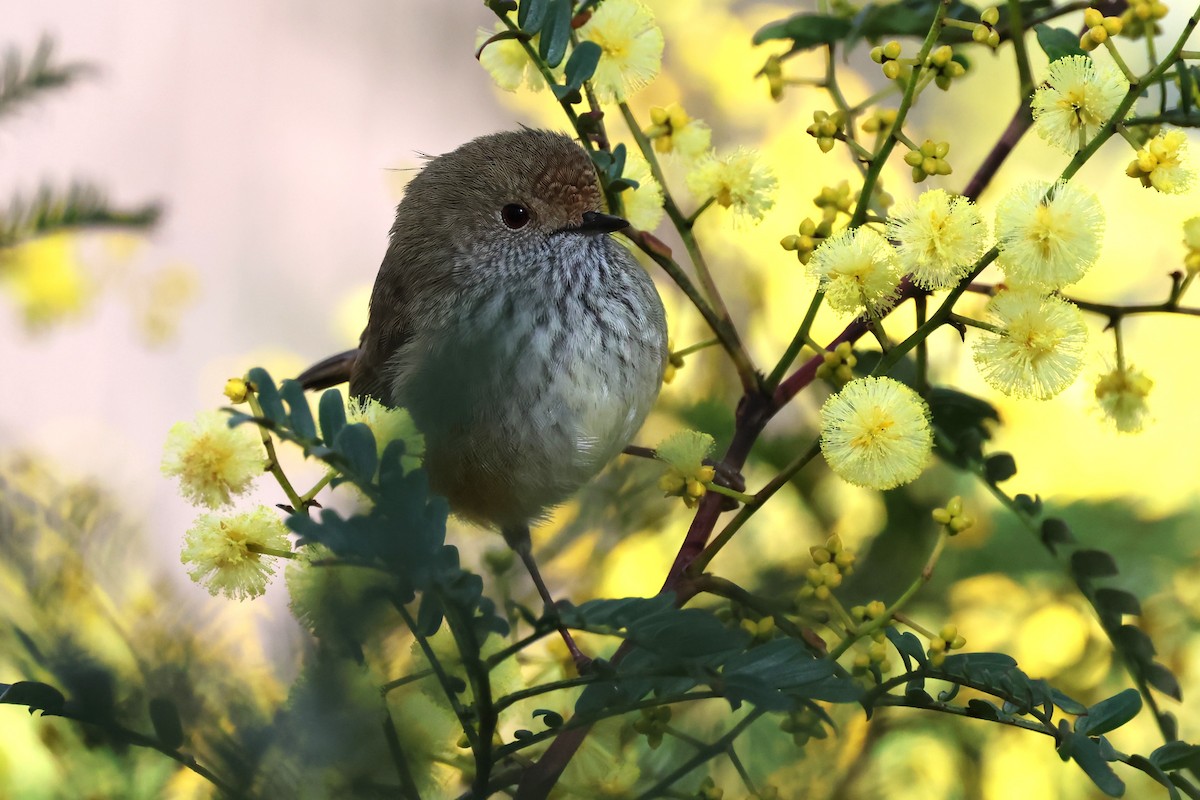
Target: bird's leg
518,539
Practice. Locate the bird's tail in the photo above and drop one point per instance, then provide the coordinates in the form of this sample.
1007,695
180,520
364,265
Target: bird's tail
329,372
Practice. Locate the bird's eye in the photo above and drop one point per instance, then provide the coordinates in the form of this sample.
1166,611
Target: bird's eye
515,216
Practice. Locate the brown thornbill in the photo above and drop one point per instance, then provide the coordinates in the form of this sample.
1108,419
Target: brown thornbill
527,344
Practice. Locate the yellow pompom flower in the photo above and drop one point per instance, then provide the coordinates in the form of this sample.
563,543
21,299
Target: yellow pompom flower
643,205
44,278
1078,98
875,433
507,62
1162,163
857,270
1191,240
388,424
938,238
220,552
1040,351
737,181
1122,394
1048,234
673,131
684,454
631,45
212,461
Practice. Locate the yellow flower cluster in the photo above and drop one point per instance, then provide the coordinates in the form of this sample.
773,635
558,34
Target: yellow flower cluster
44,277
946,640
944,68
938,238
888,57
1162,163
1191,240
857,270
388,424
737,181
929,159
985,31
952,516
631,46
212,461
1122,395
809,235
1039,351
684,454
630,41
1099,29
832,562
1048,234
837,365
673,131
674,362
875,433
826,128
1078,98
1141,18
643,205
225,553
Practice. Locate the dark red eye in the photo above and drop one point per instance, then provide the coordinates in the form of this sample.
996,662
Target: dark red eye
515,216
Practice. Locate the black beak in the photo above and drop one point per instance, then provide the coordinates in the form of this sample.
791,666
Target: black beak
595,222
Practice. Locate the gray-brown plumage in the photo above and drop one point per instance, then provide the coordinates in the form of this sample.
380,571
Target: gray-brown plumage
527,343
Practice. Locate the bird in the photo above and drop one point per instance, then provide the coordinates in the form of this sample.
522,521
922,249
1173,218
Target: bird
526,342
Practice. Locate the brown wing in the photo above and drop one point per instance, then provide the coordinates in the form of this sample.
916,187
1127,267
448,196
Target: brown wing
386,332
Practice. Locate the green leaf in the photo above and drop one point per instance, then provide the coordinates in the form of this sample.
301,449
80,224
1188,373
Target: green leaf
1163,679
299,414
1134,643
908,646
618,162
1115,603
684,635
556,32
1092,564
164,716
268,395
1086,754
1176,755
999,467
429,615
1029,506
610,616
581,66
1148,767
1054,533
907,18
566,94
977,663
332,411
1067,704
1058,43
984,709
964,421
805,30
552,719
79,206
1110,714
356,444
37,696
531,14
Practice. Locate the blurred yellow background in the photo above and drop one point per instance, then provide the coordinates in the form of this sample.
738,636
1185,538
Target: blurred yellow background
279,136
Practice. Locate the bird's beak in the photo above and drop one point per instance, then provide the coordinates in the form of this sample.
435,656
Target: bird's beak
594,222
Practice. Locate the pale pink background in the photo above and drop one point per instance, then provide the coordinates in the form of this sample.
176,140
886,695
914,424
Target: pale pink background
268,129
